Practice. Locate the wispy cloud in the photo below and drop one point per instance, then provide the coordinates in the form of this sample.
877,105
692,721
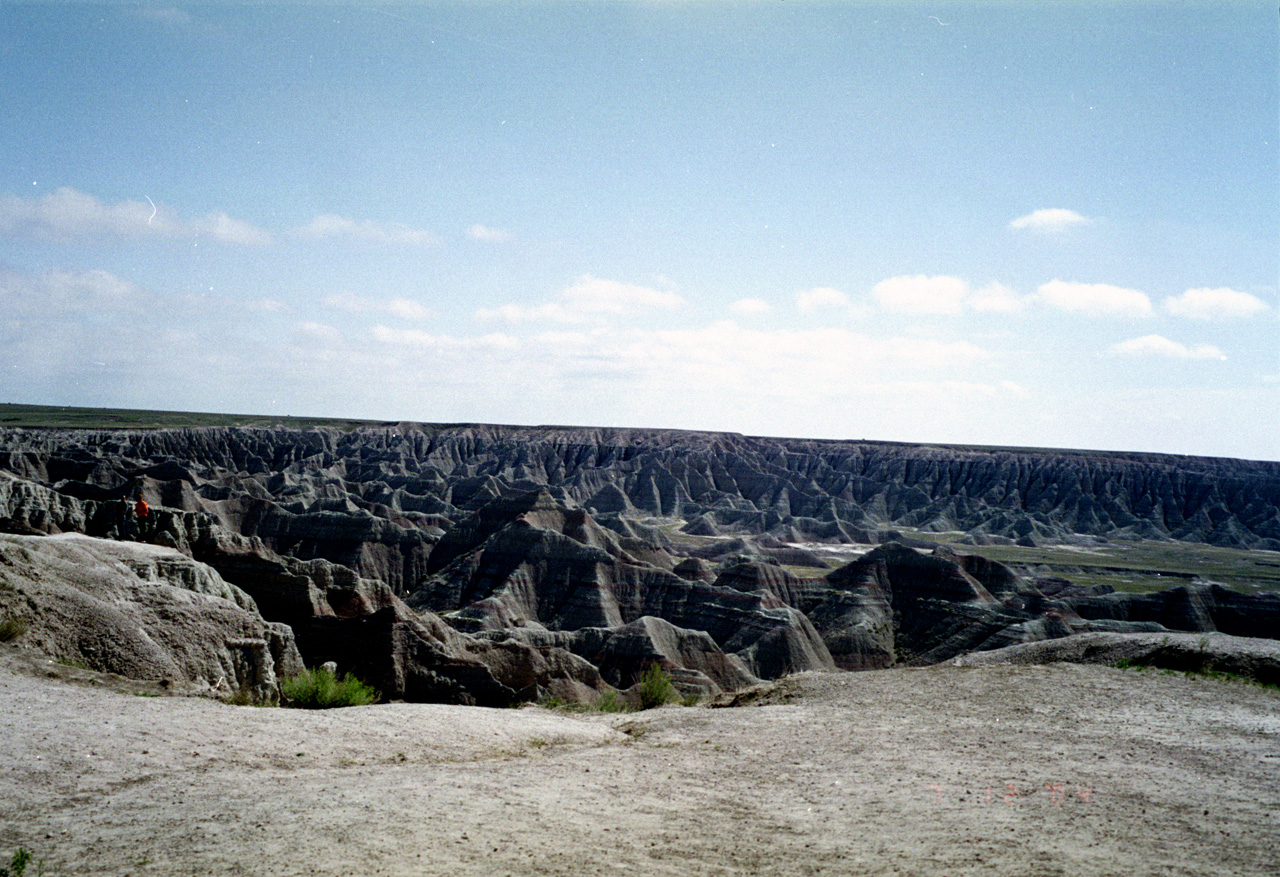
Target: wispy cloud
721,352
1215,304
1054,219
488,234
319,332
1094,299
165,14
750,307
405,308
1158,345
821,298
416,338
62,294
590,298
67,214
333,226
996,298
232,231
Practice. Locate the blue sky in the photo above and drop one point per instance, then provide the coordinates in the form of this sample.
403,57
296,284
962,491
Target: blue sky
1033,224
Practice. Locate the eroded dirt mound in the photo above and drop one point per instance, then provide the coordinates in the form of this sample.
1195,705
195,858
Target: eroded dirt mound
1252,659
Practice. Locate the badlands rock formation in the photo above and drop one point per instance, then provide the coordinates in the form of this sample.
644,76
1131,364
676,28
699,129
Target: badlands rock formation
143,612
491,565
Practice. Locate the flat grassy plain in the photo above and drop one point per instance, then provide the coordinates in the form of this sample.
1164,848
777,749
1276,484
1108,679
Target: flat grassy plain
1145,566
1136,567
60,417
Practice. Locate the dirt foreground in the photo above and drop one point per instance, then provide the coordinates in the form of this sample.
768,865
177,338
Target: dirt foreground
1063,769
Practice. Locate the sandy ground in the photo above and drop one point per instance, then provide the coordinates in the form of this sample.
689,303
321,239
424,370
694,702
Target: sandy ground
993,770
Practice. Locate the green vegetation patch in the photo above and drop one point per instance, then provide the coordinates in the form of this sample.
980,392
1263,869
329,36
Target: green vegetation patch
59,417
11,628
656,688
1205,671
17,865
321,689
1143,566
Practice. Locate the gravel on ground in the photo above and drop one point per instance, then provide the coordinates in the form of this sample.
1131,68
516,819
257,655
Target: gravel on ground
1061,769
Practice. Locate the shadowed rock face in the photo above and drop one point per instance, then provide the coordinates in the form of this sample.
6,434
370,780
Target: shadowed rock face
527,540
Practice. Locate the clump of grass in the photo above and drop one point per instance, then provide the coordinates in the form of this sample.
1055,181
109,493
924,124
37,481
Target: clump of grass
1208,671
1205,670
17,865
249,697
656,688
322,689
611,702
1126,664
11,628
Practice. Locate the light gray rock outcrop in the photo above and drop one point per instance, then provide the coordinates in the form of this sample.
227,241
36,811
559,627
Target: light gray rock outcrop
142,611
1247,657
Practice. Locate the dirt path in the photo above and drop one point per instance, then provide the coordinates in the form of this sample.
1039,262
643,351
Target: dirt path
993,770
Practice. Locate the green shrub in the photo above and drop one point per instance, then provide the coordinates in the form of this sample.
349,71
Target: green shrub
11,628
656,688
320,689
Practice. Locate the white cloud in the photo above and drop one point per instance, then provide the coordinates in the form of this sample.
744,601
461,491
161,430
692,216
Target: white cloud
748,307
1158,345
612,362
405,308
479,232
418,338
996,298
1215,304
590,298
69,295
918,294
1095,299
319,332
595,295
1051,220
66,214
512,313
331,225
408,309
812,300
228,230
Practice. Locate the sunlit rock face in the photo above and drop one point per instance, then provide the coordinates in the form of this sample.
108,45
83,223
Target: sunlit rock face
144,612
